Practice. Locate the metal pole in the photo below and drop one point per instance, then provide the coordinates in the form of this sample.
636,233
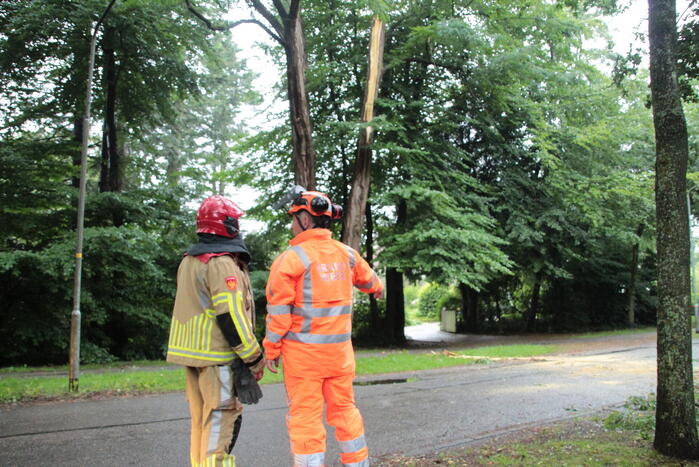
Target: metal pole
693,293
74,359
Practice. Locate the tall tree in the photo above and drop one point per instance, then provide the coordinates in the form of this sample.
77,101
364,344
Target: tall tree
161,57
283,22
675,426
197,149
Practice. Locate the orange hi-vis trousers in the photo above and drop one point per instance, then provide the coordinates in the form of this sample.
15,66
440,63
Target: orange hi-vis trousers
305,420
216,415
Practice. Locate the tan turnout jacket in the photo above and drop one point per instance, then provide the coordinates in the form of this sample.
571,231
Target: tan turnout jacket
204,291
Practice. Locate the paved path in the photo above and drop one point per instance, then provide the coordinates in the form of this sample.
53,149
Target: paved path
435,409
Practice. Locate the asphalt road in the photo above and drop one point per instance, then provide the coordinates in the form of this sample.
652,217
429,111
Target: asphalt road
433,410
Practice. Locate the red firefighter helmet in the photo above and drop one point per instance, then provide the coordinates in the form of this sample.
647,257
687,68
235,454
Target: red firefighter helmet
316,204
219,215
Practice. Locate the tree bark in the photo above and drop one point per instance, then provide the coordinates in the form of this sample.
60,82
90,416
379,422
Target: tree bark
675,423
469,308
104,161
631,313
301,128
373,305
110,174
361,181
534,304
395,307
77,139
80,61
395,299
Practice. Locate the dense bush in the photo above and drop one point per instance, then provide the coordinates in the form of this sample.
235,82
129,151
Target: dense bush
430,296
128,286
363,332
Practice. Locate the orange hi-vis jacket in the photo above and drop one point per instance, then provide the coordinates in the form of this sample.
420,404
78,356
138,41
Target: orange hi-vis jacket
309,304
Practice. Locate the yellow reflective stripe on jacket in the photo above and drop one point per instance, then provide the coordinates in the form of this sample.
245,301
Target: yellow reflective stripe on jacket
193,339
227,461
206,356
236,309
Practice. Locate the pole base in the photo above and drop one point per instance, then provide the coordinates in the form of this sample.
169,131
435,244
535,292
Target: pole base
74,385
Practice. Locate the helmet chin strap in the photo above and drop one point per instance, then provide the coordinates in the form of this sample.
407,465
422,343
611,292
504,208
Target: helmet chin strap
298,219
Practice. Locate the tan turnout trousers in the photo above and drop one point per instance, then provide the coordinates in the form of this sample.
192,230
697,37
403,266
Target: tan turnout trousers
216,415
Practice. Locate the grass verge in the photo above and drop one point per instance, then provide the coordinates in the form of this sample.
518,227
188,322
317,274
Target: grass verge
90,366
156,378
619,438
618,332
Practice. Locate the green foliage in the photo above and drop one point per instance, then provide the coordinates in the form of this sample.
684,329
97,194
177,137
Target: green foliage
128,286
504,161
431,295
451,242
688,55
363,332
178,94
450,301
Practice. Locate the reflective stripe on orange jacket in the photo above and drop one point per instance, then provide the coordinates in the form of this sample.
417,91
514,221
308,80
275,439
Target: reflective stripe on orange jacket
309,304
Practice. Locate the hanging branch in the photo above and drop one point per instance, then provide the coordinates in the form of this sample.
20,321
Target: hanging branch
294,8
280,8
271,19
228,25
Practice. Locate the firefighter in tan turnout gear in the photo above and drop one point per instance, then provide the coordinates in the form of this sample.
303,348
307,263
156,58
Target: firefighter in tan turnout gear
211,333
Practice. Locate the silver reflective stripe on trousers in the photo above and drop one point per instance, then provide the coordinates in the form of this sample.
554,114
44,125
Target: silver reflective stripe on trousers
226,392
225,374
353,444
309,460
215,431
364,463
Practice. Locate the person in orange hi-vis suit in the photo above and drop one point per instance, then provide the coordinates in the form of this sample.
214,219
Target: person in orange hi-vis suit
309,325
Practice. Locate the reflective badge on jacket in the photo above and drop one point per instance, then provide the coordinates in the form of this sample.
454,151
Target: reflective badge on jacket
332,271
232,282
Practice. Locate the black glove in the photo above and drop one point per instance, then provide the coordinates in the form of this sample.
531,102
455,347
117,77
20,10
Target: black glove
246,387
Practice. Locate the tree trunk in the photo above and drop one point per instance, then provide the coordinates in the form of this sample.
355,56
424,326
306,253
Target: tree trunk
469,308
104,161
78,140
81,55
111,179
373,305
395,300
301,137
395,307
534,304
352,227
631,313
675,423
